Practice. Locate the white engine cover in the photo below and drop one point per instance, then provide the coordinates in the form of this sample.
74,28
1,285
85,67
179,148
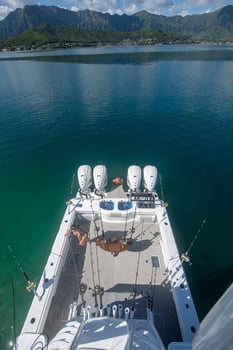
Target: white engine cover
100,177
84,177
134,177
150,174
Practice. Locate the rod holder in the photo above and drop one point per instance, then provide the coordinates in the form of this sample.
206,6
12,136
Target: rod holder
120,310
84,313
70,312
109,310
127,311
88,309
131,313
114,311
101,312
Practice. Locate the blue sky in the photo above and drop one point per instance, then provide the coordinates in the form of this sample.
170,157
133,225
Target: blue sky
163,7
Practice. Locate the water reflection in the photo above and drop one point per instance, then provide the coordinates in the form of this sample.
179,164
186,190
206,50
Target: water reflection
134,58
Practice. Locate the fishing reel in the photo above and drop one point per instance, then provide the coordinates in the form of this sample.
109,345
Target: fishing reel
186,258
31,286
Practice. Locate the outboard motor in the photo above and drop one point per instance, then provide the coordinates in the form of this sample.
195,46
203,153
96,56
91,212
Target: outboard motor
100,178
134,178
150,174
84,178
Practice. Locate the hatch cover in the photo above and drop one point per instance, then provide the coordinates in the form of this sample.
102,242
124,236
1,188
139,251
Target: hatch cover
155,261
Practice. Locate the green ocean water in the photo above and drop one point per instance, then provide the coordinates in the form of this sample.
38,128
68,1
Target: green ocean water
169,106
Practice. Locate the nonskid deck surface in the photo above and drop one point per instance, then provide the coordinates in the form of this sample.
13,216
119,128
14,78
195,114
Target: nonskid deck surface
137,272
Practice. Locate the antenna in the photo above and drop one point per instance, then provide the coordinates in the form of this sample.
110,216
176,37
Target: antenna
31,286
185,256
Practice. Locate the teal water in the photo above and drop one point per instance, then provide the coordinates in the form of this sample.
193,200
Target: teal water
170,106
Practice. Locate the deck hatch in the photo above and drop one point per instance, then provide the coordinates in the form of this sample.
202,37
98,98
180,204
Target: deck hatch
155,261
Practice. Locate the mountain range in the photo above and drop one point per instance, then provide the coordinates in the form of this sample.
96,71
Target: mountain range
214,26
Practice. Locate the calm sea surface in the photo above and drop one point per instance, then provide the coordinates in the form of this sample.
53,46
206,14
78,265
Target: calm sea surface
171,106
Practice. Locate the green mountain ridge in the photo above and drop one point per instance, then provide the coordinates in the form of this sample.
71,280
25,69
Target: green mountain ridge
50,36
214,26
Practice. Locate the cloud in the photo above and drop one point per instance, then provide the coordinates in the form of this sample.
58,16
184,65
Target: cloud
163,7
8,6
110,6
196,6
4,10
159,6
172,7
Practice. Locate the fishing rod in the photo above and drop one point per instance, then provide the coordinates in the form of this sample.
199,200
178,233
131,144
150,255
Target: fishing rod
134,216
14,310
99,290
94,292
126,220
164,204
185,256
31,286
101,221
93,214
136,274
72,186
161,187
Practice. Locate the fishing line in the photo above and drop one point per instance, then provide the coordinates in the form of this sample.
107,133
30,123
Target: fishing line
185,256
31,286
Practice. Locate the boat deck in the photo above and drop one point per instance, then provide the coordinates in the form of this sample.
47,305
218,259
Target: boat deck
95,277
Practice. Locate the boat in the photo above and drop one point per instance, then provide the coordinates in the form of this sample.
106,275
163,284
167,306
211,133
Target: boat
125,287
